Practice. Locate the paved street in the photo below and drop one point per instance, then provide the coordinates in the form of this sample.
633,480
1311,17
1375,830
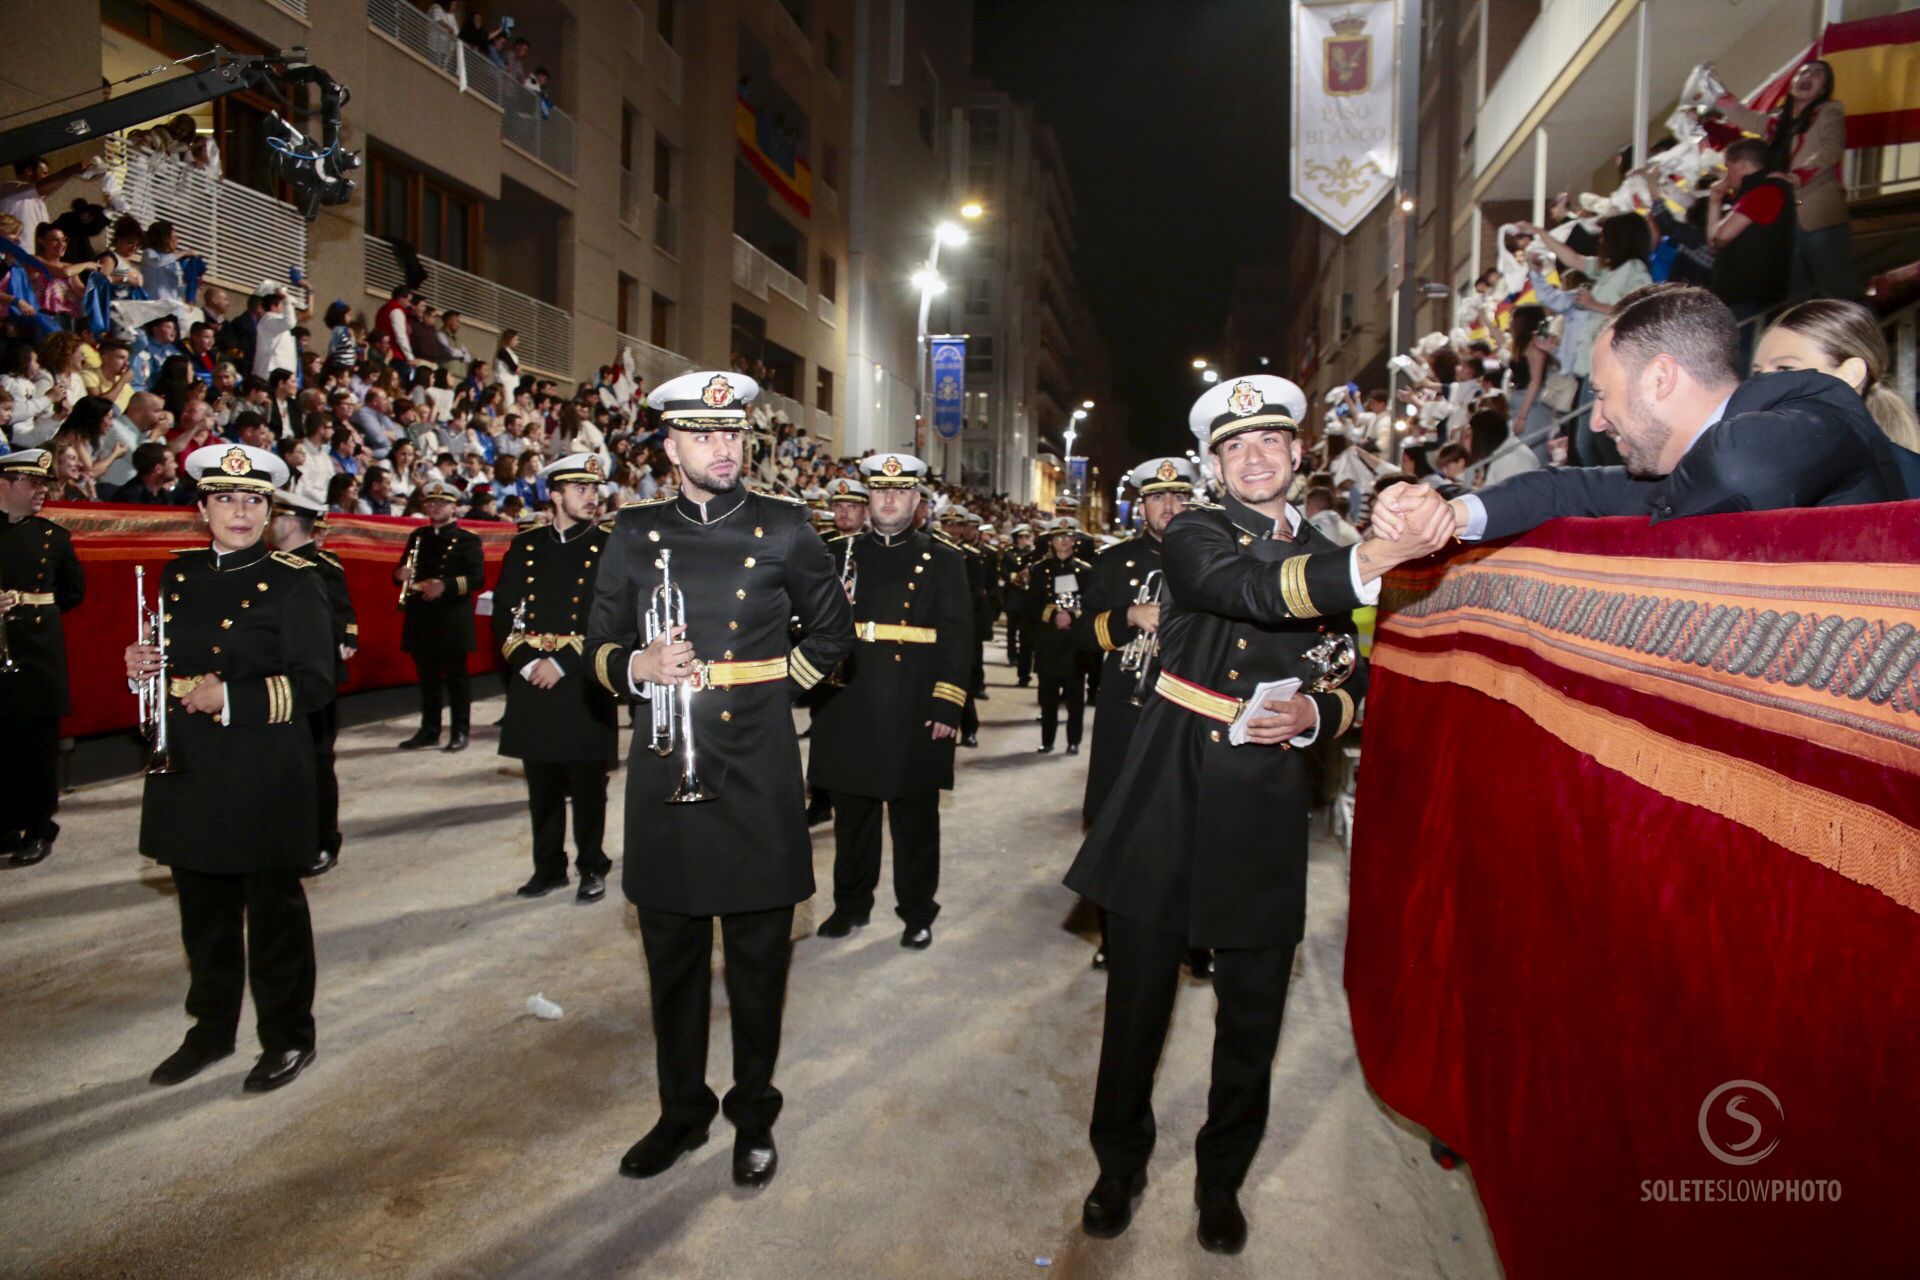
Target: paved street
936,1102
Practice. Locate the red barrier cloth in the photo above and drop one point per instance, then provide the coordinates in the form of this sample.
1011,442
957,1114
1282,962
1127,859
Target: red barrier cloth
112,540
1640,817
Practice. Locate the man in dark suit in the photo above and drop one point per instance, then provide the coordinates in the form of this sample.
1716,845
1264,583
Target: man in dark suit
1697,441
440,572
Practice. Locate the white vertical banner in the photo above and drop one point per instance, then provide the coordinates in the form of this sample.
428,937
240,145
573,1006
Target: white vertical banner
1346,152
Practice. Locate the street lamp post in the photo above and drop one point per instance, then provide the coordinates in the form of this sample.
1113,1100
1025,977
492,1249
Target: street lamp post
927,279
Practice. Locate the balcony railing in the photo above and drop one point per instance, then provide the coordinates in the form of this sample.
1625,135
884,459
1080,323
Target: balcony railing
670,74
632,198
786,406
823,308
655,364
666,228
245,235
538,128
820,425
543,132
758,274
546,332
1560,31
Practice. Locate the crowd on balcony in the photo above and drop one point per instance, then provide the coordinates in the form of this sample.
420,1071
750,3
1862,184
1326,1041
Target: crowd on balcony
460,31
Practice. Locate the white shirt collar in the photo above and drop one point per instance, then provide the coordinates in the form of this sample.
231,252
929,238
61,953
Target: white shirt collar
1719,412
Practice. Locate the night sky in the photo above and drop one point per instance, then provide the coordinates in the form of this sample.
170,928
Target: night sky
1172,118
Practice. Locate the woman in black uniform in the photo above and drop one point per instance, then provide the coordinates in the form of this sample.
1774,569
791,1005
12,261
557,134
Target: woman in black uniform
249,656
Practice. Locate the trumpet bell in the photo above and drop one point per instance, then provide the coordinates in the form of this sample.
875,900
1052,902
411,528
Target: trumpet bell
161,762
691,791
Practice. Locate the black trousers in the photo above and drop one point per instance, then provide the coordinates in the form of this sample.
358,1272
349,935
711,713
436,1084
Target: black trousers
443,681
679,953
1019,648
549,786
325,726
29,775
241,929
914,823
1143,975
1053,690
969,717
1091,665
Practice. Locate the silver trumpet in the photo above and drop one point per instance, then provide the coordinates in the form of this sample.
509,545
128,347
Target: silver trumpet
7,665
673,703
150,623
1140,651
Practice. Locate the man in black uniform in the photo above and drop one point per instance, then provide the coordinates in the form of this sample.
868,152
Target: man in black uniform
40,579
848,501
560,720
250,654
1112,620
447,570
296,518
884,738
1017,594
954,522
1203,842
746,564
1055,582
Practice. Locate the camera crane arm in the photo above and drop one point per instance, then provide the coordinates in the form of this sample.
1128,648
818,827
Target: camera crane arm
314,174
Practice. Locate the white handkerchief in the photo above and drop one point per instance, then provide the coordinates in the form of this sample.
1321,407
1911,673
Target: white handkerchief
1276,690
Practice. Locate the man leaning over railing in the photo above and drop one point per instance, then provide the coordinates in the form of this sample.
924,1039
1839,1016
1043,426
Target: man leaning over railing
1696,440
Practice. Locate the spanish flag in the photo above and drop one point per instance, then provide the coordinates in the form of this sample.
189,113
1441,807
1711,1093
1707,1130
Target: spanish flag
773,155
1876,73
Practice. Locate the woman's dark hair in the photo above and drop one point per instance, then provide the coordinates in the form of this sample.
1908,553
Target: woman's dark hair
157,233
1524,326
89,418
1487,430
338,486
173,382
1445,365
1787,125
1625,237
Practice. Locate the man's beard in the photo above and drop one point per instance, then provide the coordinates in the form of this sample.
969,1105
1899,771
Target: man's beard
1648,441
1254,498
705,480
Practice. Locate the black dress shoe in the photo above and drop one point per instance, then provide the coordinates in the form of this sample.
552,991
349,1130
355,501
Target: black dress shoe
1073,748
1108,1209
755,1160
1023,683
34,850
276,1069
323,862
971,740
980,694
592,888
655,1153
186,1062
1223,1228
917,939
540,886
1200,962
840,924
1045,751
421,739
457,740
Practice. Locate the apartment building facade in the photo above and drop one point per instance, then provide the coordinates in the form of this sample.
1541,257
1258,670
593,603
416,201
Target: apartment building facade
679,196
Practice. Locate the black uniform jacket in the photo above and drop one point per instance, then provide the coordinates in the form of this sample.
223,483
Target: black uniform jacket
333,576
1791,439
442,628
37,559
553,575
1103,630
870,734
244,797
1054,657
747,563
1198,837
1021,597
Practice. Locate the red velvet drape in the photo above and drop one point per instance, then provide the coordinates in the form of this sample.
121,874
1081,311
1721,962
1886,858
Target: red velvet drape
112,540
1587,892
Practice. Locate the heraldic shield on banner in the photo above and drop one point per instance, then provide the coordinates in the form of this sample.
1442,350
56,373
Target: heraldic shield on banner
1346,152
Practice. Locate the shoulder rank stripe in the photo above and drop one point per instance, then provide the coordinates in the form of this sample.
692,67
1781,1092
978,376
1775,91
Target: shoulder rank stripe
804,673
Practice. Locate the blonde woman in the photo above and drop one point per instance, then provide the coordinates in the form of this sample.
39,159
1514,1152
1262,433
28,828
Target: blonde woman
1843,339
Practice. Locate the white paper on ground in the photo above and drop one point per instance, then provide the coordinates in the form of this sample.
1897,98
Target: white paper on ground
1267,690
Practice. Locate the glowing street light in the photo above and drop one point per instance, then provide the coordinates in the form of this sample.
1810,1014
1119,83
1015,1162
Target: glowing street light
950,233
1086,404
1199,362
1209,375
971,210
928,281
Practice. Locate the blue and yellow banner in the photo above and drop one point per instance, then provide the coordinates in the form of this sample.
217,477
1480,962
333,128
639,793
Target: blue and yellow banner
949,386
